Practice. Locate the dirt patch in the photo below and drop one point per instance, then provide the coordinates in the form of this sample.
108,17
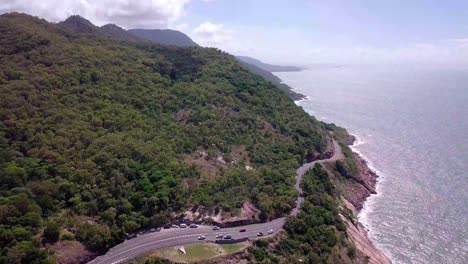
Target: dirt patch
208,166
213,165
240,154
182,116
248,212
71,252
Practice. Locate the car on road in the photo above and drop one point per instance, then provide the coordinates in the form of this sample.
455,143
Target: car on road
227,237
193,226
174,226
270,231
216,228
243,230
182,226
219,236
201,238
260,234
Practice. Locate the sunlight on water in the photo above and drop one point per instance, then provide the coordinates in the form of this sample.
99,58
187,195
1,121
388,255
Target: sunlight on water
412,126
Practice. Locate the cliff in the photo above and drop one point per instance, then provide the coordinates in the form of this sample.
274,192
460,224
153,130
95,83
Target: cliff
356,183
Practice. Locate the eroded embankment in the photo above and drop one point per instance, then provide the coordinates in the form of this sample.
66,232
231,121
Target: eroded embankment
355,190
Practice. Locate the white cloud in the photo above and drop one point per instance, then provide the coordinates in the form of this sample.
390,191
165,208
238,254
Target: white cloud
126,13
212,35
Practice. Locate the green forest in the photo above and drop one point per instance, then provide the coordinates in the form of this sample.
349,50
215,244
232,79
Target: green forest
94,134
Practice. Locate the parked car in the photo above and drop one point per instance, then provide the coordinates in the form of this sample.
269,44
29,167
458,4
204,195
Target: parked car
219,236
158,229
182,226
174,226
216,228
270,231
193,226
243,230
260,234
227,237
201,238
167,226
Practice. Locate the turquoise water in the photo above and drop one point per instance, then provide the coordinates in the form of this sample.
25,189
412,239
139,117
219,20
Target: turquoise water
412,126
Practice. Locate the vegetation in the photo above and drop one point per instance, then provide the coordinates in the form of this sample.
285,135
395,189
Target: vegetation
94,133
316,234
197,252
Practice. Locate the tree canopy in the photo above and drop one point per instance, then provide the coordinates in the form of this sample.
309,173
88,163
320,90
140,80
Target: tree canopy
94,133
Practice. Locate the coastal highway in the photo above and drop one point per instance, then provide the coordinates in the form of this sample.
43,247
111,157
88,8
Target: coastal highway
146,243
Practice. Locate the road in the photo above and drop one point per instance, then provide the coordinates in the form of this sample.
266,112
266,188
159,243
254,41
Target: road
143,244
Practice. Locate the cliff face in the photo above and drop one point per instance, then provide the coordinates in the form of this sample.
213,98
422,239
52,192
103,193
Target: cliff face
355,192
367,251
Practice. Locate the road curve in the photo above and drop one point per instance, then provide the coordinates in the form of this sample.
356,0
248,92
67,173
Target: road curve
143,244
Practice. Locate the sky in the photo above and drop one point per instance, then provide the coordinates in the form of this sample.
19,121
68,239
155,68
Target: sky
299,32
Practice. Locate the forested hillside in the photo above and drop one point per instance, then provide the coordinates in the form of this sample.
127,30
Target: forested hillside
164,36
95,135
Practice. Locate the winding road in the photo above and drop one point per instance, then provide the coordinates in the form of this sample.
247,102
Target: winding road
146,243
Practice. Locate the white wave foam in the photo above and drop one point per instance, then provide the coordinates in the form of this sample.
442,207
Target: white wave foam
298,102
368,205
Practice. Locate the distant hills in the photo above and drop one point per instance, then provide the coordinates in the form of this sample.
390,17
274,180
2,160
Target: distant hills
81,25
269,67
273,79
164,36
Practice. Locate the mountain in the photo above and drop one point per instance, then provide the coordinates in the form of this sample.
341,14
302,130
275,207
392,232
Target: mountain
117,32
268,67
80,25
164,36
101,138
273,79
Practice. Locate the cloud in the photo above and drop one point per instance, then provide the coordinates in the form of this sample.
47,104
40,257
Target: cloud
126,13
212,35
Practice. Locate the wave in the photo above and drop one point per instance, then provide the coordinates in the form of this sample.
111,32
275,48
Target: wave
298,102
368,206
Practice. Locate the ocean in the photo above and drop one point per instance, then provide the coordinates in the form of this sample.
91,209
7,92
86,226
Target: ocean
412,127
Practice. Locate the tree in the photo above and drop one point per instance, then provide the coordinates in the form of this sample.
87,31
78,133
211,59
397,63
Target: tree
52,232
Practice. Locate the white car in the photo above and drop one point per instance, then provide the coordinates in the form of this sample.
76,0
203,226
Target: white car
201,238
182,226
270,231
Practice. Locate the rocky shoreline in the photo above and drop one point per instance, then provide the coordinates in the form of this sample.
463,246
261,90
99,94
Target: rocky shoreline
355,193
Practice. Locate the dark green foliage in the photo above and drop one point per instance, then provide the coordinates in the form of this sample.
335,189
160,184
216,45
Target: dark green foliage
27,252
346,168
94,132
317,230
157,261
52,232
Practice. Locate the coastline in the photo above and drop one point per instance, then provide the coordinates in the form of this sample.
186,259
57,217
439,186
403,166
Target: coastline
361,194
360,231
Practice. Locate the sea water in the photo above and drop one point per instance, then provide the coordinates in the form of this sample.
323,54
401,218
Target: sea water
412,126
